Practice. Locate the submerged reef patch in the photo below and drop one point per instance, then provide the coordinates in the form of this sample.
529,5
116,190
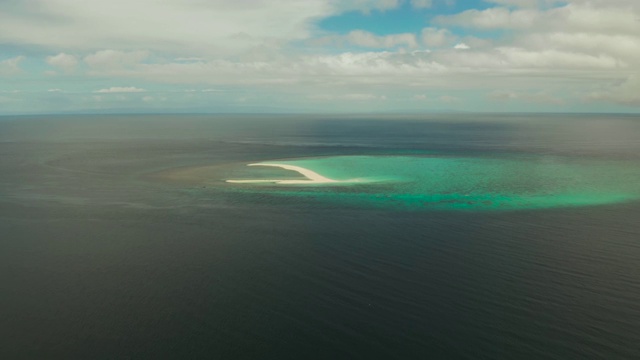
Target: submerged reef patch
448,182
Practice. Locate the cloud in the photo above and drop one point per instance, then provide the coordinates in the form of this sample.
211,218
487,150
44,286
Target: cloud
367,39
63,61
607,18
434,37
187,28
350,97
537,97
524,3
114,59
115,89
625,93
615,17
492,18
421,4
587,48
558,61
11,66
169,26
624,47
447,66
365,6
448,99
364,97
550,59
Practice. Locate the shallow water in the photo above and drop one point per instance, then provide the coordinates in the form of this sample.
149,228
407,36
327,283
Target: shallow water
454,182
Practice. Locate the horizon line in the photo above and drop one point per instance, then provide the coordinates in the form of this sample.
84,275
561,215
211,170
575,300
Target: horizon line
322,113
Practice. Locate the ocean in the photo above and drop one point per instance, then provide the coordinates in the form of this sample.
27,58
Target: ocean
442,236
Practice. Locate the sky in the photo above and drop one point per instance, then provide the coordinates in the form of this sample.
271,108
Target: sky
245,56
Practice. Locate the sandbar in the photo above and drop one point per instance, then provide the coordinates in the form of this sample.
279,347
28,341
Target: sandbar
312,176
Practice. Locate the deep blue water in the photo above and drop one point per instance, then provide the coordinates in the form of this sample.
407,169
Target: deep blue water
104,253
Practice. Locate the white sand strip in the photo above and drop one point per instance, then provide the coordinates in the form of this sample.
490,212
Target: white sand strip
312,176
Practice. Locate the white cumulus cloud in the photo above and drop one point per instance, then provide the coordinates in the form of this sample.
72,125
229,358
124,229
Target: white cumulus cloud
64,61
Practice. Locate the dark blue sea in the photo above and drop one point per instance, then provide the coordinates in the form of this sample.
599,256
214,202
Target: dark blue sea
120,239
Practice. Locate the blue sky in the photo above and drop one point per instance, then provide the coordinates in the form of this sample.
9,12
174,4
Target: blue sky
403,18
60,56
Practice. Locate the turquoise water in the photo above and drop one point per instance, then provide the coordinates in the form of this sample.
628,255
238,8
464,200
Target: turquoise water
447,182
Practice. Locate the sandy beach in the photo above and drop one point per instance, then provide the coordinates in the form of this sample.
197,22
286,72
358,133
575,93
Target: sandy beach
312,176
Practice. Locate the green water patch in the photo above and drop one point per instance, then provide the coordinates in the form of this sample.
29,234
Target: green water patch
450,182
